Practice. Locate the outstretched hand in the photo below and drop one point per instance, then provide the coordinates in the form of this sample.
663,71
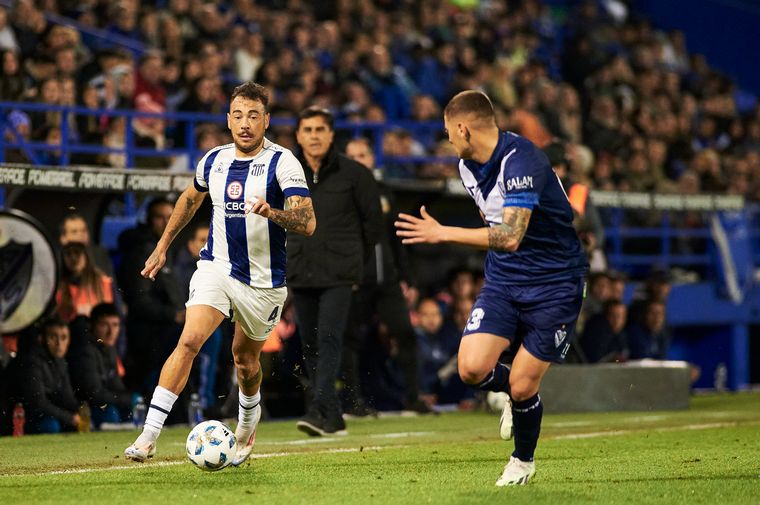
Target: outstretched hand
419,230
154,264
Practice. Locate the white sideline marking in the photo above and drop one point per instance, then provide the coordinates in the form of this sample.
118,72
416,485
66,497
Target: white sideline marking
568,424
138,466
322,440
613,433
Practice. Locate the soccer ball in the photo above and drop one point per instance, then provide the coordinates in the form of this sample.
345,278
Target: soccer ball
496,401
211,445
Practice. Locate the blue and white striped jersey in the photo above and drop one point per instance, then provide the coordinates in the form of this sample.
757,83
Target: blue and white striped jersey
519,175
251,248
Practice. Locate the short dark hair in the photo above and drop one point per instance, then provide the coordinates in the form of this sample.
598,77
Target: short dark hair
102,310
53,321
159,200
470,102
71,216
252,91
361,140
316,111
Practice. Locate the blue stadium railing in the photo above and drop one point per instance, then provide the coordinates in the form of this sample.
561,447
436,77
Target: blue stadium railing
186,120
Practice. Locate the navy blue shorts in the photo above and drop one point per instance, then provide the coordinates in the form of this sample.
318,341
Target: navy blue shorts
541,317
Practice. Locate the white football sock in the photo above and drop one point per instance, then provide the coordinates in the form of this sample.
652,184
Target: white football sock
246,408
160,406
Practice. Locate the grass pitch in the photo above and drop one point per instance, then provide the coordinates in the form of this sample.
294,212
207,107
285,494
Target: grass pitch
709,454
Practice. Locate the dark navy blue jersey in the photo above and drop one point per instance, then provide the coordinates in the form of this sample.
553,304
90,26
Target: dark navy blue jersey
519,175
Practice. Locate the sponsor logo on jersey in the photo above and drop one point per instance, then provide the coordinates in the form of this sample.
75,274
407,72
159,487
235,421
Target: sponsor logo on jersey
234,190
257,169
524,182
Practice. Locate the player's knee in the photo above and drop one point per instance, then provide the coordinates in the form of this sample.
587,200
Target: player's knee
472,373
191,343
522,389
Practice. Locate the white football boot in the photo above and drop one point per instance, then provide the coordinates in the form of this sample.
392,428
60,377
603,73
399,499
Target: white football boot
140,452
516,473
245,439
505,422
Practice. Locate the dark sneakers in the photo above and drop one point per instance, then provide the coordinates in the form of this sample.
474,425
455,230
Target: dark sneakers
316,425
418,407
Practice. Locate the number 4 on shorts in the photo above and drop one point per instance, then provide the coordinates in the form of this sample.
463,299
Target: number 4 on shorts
273,315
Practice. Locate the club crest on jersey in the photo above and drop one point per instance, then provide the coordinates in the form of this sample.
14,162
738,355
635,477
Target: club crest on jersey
234,190
524,182
257,169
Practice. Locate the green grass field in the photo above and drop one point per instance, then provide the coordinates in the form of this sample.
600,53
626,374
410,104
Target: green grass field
709,454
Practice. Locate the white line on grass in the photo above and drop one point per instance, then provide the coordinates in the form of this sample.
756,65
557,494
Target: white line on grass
613,433
138,466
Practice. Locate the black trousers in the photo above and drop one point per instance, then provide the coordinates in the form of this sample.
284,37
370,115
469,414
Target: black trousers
386,301
322,314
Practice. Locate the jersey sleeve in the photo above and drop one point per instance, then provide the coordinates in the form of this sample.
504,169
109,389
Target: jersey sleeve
523,179
201,174
290,176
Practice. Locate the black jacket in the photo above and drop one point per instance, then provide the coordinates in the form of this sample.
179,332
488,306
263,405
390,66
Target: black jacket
94,370
349,222
150,303
46,388
389,261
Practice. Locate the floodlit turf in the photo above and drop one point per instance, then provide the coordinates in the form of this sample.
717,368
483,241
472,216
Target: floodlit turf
709,454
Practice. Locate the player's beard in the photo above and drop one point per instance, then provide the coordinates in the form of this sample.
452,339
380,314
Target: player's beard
252,148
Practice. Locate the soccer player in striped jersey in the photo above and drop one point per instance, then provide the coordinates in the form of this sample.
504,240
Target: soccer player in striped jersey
258,192
535,269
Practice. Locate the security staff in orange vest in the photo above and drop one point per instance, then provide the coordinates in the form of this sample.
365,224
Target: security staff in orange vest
587,221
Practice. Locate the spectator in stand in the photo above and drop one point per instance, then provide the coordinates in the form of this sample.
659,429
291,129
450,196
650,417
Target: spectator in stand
656,288
604,338
49,401
74,228
649,338
156,308
380,294
96,370
391,87
82,285
11,80
438,347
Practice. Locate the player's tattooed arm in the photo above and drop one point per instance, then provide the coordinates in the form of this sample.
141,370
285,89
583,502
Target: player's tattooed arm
508,235
299,217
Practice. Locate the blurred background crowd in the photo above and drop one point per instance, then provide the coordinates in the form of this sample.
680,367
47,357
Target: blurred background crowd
634,108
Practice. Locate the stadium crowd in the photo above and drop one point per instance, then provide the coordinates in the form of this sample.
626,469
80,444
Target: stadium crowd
621,105
636,110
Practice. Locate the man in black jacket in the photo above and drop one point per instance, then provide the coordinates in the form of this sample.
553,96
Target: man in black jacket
49,400
380,294
156,308
323,268
94,365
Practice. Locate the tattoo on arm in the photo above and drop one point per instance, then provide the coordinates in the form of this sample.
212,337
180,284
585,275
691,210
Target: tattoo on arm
184,210
297,218
508,235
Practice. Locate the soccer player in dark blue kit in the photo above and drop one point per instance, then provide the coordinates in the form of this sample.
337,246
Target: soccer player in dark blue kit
535,269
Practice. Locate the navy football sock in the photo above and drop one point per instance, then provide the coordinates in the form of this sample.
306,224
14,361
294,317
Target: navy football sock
526,419
497,380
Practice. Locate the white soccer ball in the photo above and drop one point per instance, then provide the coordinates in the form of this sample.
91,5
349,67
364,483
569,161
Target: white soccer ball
211,445
496,401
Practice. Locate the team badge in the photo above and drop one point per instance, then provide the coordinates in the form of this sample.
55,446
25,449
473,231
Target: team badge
234,190
559,336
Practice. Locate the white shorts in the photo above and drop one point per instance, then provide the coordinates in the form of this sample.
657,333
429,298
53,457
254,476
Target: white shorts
257,310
